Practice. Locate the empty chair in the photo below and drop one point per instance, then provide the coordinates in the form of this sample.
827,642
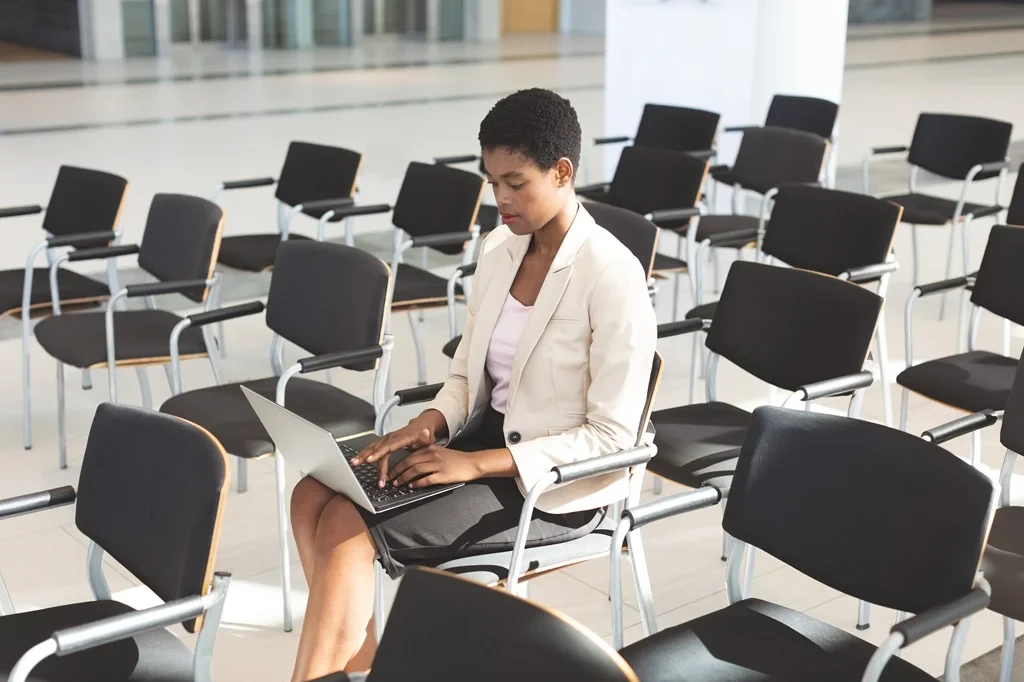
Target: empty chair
83,211
1015,211
976,380
179,251
487,218
842,501
316,180
955,147
312,304
151,495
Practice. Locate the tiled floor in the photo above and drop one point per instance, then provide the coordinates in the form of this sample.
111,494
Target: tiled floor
394,115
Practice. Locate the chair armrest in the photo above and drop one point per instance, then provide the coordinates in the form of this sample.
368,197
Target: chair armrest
466,270
680,327
248,184
445,239
615,139
733,238
944,285
15,211
82,240
738,129
961,426
595,466
224,314
157,288
347,357
923,624
418,394
866,272
673,505
343,207
994,166
672,214
836,386
33,502
703,153
103,252
454,160
595,188
891,149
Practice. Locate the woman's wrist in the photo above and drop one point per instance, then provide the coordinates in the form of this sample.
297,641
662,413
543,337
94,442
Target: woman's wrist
494,463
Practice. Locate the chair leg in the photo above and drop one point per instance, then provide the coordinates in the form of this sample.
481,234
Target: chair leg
26,390
881,344
169,373
417,342
642,582
657,485
378,599
243,474
62,444
1009,639
694,366
975,449
904,404
949,269
87,379
914,253
716,271
282,531
147,396
863,615
212,354
222,343
726,539
748,578
6,604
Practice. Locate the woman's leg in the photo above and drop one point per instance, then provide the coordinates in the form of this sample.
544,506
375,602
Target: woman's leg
340,607
309,499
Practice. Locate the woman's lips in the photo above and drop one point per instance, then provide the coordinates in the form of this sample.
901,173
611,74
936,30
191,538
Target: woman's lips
508,218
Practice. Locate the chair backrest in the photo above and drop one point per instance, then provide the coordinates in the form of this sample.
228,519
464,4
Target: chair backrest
443,627
84,200
770,157
680,129
830,231
437,199
809,114
1001,278
792,327
317,171
182,240
1011,434
657,366
1015,212
328,298
650,179
871,511
151,494
951,144
636,233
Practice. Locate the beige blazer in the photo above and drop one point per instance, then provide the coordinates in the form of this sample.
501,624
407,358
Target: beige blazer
581,373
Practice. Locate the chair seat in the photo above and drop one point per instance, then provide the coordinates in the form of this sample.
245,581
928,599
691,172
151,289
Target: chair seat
925,209
724,176
73,287
698,443
252,252
664,264
1003,562
452,346
140,337
973,381
225,412
596,193
489,569
718,224
703,312
156,656
756,640
416,287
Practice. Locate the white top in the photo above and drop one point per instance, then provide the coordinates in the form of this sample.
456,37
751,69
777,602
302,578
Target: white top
501,352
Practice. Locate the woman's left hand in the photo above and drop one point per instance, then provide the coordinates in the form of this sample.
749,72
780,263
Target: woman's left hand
434,465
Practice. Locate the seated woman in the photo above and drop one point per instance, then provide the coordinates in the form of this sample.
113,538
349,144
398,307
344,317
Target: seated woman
553,367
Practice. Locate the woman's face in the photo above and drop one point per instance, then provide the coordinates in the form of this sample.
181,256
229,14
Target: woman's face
528,197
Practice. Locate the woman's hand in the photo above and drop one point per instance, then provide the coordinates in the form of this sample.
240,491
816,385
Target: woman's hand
419,433
434,465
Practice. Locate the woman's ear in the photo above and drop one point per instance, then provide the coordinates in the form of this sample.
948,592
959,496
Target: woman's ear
563,171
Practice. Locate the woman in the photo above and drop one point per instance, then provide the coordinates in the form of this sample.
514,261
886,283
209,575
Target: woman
553,367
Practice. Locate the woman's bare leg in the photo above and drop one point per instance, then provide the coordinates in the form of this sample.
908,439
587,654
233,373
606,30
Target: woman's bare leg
340,607
309,499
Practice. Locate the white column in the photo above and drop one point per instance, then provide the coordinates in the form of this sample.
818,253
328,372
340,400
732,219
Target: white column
254,24
162,27
101,29
482,20
300,24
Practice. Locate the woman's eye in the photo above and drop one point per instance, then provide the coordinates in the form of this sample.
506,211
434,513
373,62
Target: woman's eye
516,187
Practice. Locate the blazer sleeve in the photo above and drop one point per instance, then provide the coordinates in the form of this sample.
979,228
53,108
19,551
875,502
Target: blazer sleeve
623,341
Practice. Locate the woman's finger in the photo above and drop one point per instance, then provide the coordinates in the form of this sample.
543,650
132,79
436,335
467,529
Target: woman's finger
382,471
424,481
416,471
411,460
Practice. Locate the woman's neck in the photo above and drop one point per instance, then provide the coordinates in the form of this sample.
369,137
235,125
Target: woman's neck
549,238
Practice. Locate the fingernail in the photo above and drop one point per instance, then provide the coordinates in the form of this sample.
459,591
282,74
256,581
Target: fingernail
380,484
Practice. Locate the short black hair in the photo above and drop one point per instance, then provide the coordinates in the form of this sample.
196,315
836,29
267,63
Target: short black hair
537,123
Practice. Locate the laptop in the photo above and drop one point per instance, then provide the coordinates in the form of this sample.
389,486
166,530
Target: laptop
316,452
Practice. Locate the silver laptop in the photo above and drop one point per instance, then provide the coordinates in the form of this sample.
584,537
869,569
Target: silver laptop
316,452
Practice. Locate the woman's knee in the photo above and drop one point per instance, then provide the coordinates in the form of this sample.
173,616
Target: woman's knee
341,522
309,499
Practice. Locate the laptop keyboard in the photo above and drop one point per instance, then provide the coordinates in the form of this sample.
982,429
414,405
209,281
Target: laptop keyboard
368,476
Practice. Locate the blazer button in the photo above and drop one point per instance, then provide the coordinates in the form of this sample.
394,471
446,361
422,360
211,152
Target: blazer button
514,437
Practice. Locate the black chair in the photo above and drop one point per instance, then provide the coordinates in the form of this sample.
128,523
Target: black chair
792,112
845,502
1015,211
954,147
83,212
637,234
316,180
836,233
488,217
445,628
664,186
179,250
151,494
311,304
663,126
976,380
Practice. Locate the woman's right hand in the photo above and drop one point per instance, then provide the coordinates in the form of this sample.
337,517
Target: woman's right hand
417,434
